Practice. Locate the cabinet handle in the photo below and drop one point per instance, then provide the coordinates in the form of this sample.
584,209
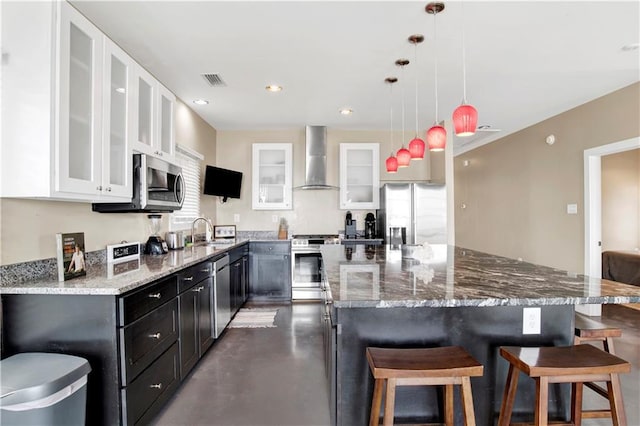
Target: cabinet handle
156,386
155,295
188,278
155,336
204,270
108,189
198,289
99,188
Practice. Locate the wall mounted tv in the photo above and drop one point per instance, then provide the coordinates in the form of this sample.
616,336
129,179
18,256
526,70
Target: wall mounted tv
224,183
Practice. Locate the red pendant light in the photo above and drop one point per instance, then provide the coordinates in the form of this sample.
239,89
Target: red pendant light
392,164
404,157
465,120
437,135
416,148
417,145
465,117
437,138
392,161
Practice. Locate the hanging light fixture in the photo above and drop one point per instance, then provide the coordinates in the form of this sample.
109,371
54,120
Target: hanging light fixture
392,161
403,155
436,135
465,117
416,146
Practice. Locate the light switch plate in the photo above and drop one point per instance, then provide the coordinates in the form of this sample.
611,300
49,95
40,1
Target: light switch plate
572,209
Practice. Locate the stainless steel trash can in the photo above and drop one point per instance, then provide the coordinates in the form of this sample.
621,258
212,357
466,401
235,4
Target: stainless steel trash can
43,389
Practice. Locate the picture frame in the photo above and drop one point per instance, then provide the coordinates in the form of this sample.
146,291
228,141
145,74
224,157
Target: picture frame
71,257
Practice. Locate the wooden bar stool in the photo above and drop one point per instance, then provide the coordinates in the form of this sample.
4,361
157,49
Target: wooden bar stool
446,366
569,364
590,330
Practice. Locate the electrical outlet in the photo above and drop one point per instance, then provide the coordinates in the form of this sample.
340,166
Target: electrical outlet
531,320
274,218
236,218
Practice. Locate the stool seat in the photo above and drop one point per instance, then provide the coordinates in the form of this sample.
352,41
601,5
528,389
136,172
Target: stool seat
589,329
445,366
571,364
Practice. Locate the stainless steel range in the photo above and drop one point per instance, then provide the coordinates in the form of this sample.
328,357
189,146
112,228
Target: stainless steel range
306,265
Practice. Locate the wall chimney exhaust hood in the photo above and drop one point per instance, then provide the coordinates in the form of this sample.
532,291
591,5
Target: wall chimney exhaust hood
316,158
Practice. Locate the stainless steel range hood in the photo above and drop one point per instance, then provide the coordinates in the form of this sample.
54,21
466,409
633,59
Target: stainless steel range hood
316,158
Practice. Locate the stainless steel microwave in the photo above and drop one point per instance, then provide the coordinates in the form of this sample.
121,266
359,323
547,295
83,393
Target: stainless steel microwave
158,186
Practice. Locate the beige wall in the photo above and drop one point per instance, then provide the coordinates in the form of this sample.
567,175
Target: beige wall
313,211
28,227
621,201
516,190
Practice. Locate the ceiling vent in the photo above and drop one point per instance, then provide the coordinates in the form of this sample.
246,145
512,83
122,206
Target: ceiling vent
214,80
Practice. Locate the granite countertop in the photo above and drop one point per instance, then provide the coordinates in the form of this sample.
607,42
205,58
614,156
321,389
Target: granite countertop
378,276
101,279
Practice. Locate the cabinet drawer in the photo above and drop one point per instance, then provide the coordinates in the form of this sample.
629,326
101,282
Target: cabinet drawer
193,275
146,395
147,338
271,247
136,305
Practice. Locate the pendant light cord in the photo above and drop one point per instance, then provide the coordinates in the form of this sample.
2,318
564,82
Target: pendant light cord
464,59
435,46
391,116
415,62
402,96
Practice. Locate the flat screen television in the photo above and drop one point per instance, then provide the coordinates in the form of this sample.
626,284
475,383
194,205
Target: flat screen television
224,183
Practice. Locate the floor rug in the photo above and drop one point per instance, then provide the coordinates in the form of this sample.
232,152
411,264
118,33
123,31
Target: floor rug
254,318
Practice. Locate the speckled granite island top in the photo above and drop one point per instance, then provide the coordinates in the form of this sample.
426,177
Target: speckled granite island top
378,276
102,280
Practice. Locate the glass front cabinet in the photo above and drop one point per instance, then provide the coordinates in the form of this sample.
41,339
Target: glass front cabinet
272,176
359,176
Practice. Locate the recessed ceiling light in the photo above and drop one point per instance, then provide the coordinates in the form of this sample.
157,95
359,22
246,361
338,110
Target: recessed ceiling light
346,111
201,102
630,47
273,88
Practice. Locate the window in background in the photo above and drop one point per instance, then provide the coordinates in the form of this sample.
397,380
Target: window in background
191,163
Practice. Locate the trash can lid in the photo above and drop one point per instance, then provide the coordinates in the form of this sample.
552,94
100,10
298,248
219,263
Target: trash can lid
32,376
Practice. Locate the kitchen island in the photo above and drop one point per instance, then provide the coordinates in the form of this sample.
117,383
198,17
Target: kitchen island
453,296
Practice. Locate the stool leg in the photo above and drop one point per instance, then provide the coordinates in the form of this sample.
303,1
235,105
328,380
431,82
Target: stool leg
448,405
389,402
542,401
467,402
374,418
615,401
608,345
508,397
576,403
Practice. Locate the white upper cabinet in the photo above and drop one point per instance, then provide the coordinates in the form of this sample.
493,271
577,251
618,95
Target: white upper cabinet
65,132
272,176
117,121
154,119
359,176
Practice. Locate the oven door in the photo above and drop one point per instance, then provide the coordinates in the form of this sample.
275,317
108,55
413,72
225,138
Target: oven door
306,274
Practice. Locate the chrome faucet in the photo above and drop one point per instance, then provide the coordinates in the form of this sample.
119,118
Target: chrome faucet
193,227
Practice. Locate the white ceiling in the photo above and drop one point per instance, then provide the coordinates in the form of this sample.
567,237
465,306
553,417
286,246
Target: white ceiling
526,61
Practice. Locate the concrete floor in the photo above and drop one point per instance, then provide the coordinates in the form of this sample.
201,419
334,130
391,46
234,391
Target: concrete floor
259,376
275,376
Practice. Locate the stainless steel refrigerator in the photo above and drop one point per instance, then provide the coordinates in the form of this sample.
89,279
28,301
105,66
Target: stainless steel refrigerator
421,208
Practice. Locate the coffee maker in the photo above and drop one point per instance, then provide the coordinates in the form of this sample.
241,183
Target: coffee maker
370,226
349,226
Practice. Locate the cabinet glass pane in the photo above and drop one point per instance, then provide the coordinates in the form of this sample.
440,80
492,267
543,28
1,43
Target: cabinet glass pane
145,110
80,103
165,130
118,122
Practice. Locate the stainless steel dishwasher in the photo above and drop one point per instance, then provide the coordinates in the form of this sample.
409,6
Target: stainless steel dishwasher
222,301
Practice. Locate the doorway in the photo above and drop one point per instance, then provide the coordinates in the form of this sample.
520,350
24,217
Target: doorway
593,210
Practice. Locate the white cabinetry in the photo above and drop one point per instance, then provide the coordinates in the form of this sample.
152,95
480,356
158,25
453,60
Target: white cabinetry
359,176
154,108
56,110
272,176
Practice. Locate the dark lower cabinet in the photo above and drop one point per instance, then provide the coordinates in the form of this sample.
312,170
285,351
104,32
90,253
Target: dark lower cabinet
270,265
196,315
239,277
